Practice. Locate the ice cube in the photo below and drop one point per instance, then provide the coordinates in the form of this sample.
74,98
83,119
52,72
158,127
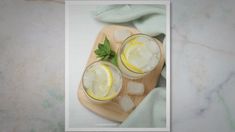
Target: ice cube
88,79
140,57
116,81
121,34
135,88
152,45
126,103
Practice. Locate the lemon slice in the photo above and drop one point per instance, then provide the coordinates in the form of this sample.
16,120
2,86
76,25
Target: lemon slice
130,53
132,44
129,65
102,83
110,96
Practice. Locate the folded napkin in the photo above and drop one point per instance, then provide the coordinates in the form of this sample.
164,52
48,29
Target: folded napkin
149,19
151,112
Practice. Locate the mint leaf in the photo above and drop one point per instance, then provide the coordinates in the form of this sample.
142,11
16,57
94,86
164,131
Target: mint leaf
107,45
100,53
101,46
105,53
114,60
112,53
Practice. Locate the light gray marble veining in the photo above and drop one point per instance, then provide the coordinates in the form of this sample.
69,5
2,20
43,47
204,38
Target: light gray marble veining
203,66
31,66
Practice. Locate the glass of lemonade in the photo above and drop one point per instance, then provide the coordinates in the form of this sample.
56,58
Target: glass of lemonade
102,81
138,55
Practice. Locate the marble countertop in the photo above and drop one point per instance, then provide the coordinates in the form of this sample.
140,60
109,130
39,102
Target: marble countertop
32,66
203,66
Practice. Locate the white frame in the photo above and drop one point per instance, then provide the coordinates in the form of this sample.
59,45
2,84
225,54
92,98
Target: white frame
168,62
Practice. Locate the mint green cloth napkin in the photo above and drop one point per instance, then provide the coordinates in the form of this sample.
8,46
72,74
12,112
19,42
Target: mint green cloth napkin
149,19
151,112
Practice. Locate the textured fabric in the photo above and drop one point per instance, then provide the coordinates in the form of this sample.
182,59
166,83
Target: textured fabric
149,19
151,112
163,73
151,24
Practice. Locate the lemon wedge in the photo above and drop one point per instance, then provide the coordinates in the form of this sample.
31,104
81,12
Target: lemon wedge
101,83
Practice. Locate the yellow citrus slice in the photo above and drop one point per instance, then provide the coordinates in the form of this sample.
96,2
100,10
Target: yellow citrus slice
133,43
110,96
102,83
130,53
130,66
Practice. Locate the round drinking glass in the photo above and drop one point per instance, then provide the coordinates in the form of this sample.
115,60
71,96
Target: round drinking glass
138,56
102,81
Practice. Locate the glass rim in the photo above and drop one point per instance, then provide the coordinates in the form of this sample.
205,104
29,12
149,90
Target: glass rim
124,44
109,63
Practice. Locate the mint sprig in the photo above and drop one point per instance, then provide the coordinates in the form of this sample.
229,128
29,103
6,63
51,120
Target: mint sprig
105,53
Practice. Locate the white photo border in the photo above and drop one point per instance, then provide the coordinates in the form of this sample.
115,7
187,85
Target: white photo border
168,62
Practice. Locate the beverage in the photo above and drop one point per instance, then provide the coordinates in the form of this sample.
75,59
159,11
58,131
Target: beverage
102,81
138,55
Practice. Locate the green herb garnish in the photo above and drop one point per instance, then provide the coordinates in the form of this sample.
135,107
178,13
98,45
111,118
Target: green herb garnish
105,53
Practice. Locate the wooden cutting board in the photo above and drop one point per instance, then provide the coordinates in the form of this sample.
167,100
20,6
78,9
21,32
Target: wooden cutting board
112,110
